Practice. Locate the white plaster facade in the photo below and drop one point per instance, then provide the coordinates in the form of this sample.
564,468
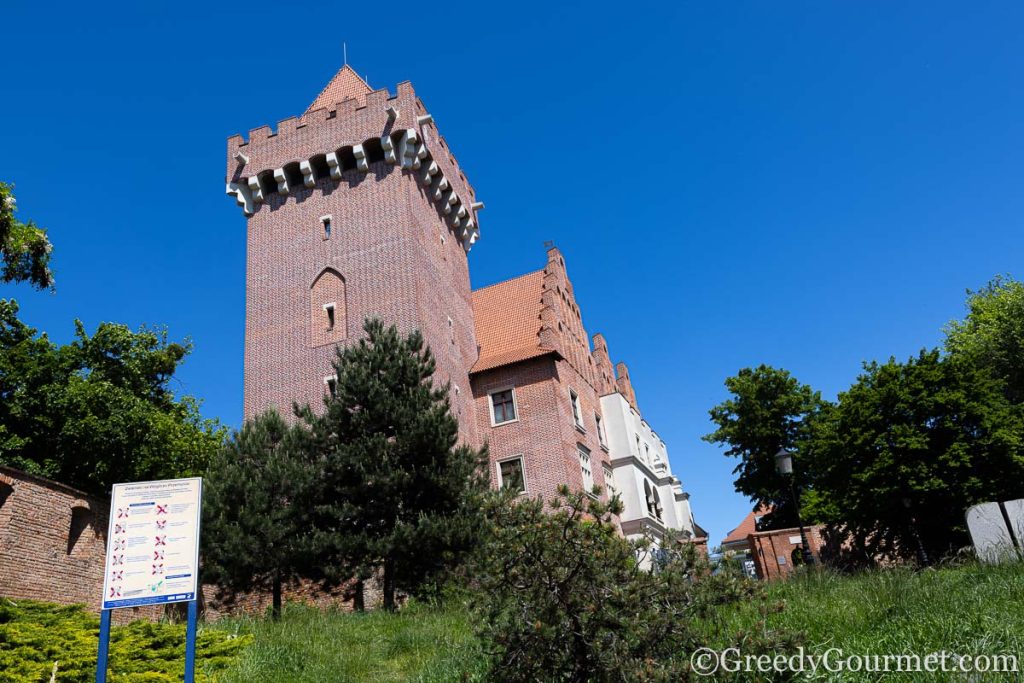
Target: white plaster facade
652,496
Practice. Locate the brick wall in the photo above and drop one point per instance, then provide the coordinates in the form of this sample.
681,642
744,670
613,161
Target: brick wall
772,551
53,549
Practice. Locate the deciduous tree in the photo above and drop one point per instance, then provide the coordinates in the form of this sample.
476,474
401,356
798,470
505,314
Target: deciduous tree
24,247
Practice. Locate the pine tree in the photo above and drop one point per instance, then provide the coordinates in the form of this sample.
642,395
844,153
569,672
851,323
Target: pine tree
396,492
256,511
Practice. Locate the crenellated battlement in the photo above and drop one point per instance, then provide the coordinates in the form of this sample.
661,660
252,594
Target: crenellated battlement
347,139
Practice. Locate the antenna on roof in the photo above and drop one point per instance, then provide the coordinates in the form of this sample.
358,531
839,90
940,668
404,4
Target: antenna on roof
344,53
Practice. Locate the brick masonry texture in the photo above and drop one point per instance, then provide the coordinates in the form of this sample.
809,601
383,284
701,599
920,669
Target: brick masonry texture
53,549
768,546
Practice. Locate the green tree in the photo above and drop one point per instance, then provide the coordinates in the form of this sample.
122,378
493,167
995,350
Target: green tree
562,597
98,410
24,247
992,333
908,448
396,492
257,510
768,410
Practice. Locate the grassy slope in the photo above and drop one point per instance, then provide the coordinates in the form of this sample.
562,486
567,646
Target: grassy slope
965,610
417,644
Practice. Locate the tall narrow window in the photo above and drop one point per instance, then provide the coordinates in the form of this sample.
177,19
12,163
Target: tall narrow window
332,385
511,475
503,407
326,222
328,323
329,309
588,474
609,482
600,430
638,451
577,413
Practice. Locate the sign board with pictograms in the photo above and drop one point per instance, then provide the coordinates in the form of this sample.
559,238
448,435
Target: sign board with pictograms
153,543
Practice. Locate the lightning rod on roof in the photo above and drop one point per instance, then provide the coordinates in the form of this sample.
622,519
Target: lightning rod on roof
344,53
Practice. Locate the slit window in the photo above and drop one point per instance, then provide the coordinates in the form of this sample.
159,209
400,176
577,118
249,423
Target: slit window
332,386
326,222
329,311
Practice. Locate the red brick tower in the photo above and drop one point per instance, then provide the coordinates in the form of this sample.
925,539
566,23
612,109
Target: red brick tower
355,209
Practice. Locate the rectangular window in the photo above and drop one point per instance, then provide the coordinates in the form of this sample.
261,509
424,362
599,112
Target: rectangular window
511,475
588,474
638,451
326,222
609,482
332,385
329,308
647,452
577,413
600,430
503,407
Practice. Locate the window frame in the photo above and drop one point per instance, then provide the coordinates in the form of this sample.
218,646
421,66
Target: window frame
610,489
327,226
582,452
602,438
522,466
515,405
577,409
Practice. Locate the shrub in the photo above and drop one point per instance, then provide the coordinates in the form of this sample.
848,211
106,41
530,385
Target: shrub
34,635
564,598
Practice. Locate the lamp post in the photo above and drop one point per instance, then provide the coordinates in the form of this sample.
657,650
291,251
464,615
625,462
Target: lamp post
784,466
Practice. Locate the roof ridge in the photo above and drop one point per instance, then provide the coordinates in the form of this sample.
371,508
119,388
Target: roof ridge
507,280
344,68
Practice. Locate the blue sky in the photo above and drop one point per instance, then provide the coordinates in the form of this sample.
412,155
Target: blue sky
805,184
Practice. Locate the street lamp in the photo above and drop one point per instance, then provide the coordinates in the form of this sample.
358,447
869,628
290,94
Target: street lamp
784,466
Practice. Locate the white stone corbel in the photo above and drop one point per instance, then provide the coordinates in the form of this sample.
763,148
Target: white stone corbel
392,113
282,181
407,148
335,165
242,159
426,118
242,197
450,199
308,174
439,187
389,148
429,171
360,154
255,189
477,206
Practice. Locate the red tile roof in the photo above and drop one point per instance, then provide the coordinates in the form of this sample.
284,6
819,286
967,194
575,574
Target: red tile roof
346,84
746,527
507,318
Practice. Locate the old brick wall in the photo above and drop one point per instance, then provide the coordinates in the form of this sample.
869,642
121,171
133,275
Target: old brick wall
390,243
767,547
53,549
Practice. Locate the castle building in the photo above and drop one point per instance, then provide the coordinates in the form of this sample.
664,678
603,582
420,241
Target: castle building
359,209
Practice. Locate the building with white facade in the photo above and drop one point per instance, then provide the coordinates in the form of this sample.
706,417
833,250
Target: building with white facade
654,500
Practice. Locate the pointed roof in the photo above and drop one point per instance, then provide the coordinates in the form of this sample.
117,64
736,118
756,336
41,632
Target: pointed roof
747,526
346,84
508,323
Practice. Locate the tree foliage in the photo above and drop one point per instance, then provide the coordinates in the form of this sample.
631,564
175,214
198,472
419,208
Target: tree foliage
98,410
908,448
991,336
24,247
257,509
769,409
395,491
562,597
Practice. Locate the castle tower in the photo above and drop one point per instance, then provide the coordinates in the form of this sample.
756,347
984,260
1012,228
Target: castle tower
355,209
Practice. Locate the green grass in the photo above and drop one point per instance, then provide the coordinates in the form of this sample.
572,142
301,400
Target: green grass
971,609
419,644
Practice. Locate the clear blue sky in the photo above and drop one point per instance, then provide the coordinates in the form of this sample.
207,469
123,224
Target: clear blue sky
805,184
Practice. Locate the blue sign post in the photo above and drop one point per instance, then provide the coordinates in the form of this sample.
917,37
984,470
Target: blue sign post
152,556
